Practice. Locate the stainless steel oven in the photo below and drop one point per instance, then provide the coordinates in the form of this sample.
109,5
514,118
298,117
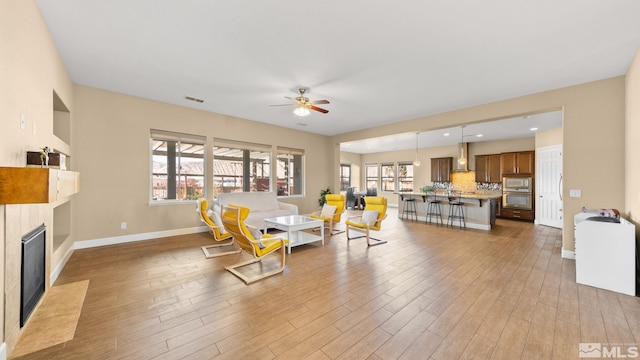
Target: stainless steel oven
516,184
517,193
517,200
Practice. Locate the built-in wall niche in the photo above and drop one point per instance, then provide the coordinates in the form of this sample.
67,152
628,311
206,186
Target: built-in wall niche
61,120
61,224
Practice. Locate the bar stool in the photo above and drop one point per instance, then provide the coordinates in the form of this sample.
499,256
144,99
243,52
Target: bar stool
456,209
409,208
433,208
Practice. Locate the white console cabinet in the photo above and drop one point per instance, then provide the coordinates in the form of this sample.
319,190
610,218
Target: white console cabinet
605,254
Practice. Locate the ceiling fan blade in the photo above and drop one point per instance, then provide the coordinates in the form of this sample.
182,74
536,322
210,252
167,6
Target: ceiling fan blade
284,105
319,102
318,109
290,98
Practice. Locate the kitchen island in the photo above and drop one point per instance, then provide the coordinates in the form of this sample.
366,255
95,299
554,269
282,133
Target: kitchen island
479,208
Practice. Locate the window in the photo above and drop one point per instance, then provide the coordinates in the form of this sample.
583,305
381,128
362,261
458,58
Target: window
405,176
290,169
371,174
177,163
240,167
345,176
388,177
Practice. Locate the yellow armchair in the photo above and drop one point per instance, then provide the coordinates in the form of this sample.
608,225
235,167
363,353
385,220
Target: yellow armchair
259,245
217,230
336,200
371,219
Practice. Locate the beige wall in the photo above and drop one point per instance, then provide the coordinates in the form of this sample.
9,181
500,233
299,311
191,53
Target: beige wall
30,70
112,146
593,135
549,138
632,134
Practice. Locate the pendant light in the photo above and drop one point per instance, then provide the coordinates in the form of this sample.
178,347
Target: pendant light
462,161
416,162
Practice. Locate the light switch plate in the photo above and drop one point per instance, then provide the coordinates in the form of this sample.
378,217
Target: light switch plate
575,193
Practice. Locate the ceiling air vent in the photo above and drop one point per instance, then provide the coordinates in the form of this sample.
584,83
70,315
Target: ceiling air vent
194,99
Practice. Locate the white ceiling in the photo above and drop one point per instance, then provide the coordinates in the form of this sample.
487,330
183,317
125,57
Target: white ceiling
512,128
376,62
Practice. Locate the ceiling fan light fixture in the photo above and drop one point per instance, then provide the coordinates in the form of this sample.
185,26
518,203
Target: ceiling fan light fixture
301,111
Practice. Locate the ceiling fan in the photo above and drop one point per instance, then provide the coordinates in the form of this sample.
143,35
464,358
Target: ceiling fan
303,104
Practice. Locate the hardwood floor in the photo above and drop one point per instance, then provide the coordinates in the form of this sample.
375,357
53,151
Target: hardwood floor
431,292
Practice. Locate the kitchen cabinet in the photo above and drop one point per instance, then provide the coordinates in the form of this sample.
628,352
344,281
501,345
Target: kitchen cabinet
517,214
488,168
441,169
517,163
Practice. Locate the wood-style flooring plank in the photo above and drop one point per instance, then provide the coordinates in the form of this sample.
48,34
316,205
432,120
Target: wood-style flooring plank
431,292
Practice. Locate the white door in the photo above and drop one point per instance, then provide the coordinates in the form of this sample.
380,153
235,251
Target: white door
549,194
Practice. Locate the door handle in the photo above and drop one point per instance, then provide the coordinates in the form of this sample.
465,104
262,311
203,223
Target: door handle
560,187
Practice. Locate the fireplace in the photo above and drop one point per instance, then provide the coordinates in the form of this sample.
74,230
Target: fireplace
32,272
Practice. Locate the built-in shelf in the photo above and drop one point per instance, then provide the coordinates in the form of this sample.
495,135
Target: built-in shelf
61,224
36,185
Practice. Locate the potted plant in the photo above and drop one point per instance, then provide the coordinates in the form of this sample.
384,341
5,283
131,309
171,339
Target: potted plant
322,200
427,188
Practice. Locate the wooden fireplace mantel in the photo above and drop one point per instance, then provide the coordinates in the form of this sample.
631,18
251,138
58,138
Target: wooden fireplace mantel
36,185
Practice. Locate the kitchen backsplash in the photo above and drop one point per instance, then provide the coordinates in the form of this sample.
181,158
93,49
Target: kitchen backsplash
466,181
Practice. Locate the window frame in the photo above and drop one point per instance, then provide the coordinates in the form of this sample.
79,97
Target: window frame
370,179
177,153
249,154
297,180
386,180
344,185
408,164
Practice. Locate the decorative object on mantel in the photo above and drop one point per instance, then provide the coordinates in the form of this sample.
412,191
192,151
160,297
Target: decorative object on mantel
46,158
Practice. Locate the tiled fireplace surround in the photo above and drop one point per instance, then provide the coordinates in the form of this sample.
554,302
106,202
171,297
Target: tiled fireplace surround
18,221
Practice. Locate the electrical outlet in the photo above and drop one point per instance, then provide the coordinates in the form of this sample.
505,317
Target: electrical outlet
123,225
575,193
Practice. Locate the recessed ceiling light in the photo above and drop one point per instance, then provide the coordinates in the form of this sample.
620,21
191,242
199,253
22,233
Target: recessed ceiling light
533,129
479,135
446,134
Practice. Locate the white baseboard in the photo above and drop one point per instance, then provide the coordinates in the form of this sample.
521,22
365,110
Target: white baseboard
3,351
58,269
136,237
567,254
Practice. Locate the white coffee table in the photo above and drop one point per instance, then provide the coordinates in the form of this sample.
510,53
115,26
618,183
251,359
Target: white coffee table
293,225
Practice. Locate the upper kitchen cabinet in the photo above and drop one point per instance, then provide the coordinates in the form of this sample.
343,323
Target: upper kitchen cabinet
517,163
441,169
488,168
